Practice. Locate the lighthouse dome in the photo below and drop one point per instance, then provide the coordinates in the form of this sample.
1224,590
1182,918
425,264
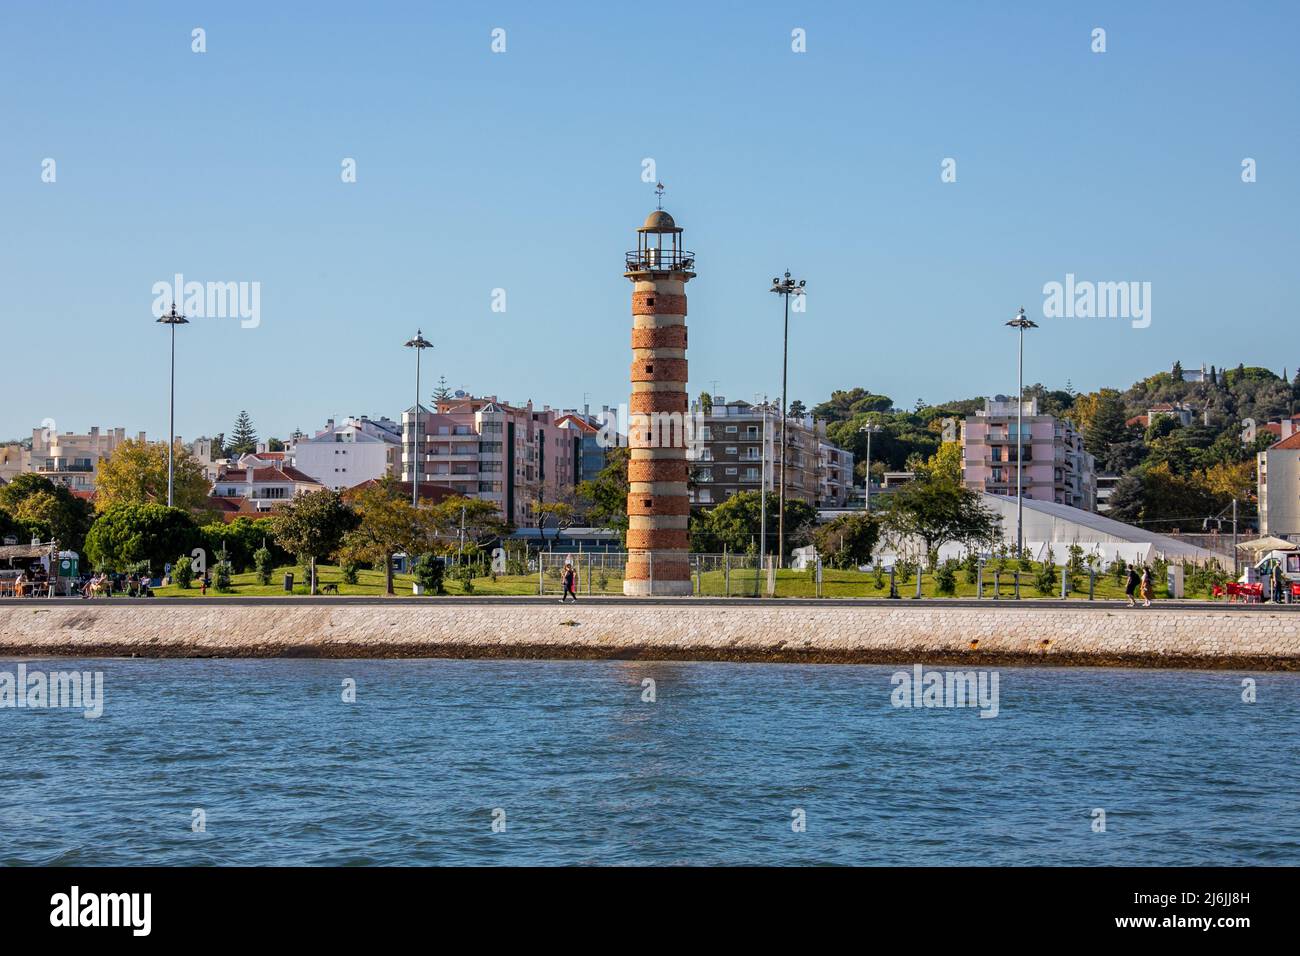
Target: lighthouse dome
659,221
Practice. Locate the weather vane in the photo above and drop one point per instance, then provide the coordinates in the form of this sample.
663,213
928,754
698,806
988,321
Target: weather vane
659,191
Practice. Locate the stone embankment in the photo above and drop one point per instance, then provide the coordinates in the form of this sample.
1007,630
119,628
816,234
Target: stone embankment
933,632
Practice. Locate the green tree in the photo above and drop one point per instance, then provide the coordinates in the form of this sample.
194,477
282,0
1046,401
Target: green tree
1107,426
38,507
606,494
130,534
136,474
387,523
936,512
735,524
847,541
243,437
312,527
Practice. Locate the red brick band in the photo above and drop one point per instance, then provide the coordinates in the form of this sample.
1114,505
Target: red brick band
658,303
657,469
658,539
664,569
646,504
646,403
664,337
659,370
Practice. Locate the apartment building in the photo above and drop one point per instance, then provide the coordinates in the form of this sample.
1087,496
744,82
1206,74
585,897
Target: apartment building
1279,488
350,452
70,459
731,444
1055,466
486,448
258,488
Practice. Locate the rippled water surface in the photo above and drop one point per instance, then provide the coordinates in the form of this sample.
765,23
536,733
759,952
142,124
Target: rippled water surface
587,772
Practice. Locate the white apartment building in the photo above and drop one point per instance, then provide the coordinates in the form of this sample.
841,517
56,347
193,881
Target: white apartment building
350,452
70,459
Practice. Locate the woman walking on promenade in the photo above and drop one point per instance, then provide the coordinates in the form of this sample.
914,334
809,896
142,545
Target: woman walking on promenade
1130,589
570,590
1146,586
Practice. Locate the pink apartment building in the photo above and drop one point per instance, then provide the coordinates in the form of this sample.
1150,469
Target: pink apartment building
1056,467
485,448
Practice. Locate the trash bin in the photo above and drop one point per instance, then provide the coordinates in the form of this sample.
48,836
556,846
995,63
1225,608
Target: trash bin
288,582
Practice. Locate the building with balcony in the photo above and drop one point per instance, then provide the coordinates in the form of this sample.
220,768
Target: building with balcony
1056,467
70,459
488,449
259,489
731,443
349,452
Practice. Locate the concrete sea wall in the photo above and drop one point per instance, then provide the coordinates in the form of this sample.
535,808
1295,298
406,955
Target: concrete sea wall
1097,635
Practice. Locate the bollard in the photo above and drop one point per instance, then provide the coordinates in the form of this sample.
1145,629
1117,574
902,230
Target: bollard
1065,584
541,575
893,587
979,582
1017,584
726,573
1092,583
997,584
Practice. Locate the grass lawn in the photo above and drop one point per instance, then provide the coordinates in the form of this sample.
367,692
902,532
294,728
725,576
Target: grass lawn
835,584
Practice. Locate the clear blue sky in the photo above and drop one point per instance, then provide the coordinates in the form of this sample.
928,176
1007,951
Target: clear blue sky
522,171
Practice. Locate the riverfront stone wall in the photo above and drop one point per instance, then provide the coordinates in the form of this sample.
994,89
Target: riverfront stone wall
903,633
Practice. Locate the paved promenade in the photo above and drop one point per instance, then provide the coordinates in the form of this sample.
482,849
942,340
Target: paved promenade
972,633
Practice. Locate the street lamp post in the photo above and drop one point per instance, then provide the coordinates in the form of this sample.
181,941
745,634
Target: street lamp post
869,430
1021,323
173,319
419,343
784,288
762,493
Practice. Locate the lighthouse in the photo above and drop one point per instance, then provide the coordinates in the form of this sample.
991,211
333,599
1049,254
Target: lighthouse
658,506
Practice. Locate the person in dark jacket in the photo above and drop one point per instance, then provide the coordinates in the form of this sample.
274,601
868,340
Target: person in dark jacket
1130,589
1279,584
570,583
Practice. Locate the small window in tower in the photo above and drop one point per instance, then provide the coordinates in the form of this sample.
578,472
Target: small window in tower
649,502
650,301
649,369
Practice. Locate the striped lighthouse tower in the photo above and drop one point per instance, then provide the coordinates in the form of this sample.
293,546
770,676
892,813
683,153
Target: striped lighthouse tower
658,506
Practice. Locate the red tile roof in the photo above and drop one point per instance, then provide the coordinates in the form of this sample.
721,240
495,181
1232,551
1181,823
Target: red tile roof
428,490
1288,444
269,473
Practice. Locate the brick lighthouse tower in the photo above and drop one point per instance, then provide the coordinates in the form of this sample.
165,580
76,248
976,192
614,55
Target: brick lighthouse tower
658,505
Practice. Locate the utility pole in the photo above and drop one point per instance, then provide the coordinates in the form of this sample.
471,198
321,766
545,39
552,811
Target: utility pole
785,289
762,494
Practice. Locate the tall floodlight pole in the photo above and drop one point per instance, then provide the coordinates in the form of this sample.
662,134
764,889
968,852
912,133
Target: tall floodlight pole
1021,323
419,343
762,493
172,318
784,288
869,430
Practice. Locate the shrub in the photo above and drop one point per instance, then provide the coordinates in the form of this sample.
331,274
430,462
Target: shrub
428,571
263,563
972,566
221,574
602,580
183,572
350,571
1118,570
945,578
878,578
1045,579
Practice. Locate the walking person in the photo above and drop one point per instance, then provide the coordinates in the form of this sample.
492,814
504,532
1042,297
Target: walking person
570,583
1279,583
1146,586
1131,587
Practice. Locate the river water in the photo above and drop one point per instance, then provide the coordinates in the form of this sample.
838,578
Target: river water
523,762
